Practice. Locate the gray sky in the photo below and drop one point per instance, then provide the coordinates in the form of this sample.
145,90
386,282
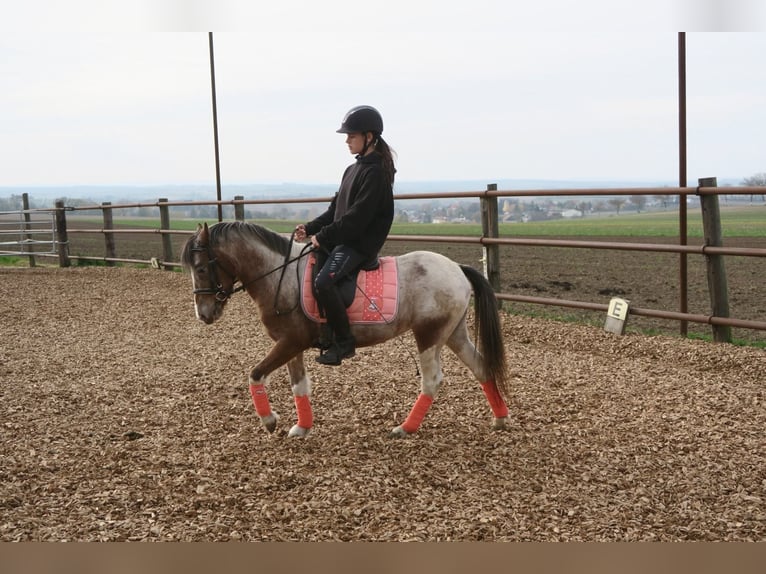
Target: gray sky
481,90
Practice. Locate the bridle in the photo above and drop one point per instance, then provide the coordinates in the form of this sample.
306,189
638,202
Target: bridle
221,294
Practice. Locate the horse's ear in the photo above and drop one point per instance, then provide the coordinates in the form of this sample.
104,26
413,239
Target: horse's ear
202,230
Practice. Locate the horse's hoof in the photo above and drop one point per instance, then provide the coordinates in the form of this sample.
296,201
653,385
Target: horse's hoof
500,424
398,432
270,421
298,432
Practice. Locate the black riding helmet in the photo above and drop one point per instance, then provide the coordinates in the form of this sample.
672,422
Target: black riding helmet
362,119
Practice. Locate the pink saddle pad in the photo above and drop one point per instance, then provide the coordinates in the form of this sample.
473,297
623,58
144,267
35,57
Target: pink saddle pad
376,299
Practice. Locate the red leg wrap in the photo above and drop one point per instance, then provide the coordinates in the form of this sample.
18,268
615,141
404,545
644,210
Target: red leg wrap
260,400
499,408
418,413
305,415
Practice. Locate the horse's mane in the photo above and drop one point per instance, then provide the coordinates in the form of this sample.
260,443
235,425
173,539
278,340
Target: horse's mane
231,231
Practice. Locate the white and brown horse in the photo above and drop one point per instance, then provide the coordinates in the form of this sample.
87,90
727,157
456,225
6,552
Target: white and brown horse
434,297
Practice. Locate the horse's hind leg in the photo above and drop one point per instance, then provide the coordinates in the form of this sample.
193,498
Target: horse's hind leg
430,365
301,386
461,345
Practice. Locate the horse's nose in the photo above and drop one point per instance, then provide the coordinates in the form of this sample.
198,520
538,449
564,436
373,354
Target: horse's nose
205,314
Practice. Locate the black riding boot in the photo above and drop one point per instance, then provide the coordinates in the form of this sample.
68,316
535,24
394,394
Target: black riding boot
344,344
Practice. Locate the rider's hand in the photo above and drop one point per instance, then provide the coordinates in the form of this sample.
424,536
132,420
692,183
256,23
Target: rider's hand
300,232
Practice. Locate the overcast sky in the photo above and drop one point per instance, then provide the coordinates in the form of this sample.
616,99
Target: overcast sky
468,90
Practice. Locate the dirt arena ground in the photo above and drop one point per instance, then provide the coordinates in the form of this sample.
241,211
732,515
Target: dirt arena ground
123,418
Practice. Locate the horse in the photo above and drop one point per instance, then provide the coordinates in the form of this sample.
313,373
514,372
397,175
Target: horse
434,299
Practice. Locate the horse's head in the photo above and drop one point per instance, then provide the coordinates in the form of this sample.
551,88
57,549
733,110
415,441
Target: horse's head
211,284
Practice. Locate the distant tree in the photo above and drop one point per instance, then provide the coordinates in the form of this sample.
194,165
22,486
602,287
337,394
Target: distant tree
617,203
439,211
12,203
663,199
757,180
639,201
473,210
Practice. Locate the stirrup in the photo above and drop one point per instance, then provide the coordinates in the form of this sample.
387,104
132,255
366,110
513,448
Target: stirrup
322,344
325,340
336,353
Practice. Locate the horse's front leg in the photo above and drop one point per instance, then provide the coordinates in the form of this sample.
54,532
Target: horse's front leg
301,386
282,352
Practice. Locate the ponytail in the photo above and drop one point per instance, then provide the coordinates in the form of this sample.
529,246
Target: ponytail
389,170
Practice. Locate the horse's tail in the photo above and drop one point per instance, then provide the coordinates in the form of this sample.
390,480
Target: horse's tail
489,334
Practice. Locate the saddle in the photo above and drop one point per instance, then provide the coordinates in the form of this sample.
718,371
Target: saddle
371,294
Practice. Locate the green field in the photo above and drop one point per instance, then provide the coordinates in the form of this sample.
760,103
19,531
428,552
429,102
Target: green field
743,221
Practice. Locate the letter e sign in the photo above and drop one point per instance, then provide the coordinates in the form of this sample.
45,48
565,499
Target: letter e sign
617,315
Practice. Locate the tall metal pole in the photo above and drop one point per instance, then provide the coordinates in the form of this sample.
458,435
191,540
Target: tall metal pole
215,129
682,230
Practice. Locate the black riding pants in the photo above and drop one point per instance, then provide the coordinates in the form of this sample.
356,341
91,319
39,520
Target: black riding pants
333,268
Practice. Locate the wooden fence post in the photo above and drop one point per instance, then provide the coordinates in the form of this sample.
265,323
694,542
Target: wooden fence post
490,228
62,239
27,225
716,272
108,237
167,244
239,208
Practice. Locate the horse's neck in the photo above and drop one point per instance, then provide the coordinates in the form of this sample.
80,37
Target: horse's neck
261,269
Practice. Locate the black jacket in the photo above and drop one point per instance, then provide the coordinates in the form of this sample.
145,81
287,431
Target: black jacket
361,213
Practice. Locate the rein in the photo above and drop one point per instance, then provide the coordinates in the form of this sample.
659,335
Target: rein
222,294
